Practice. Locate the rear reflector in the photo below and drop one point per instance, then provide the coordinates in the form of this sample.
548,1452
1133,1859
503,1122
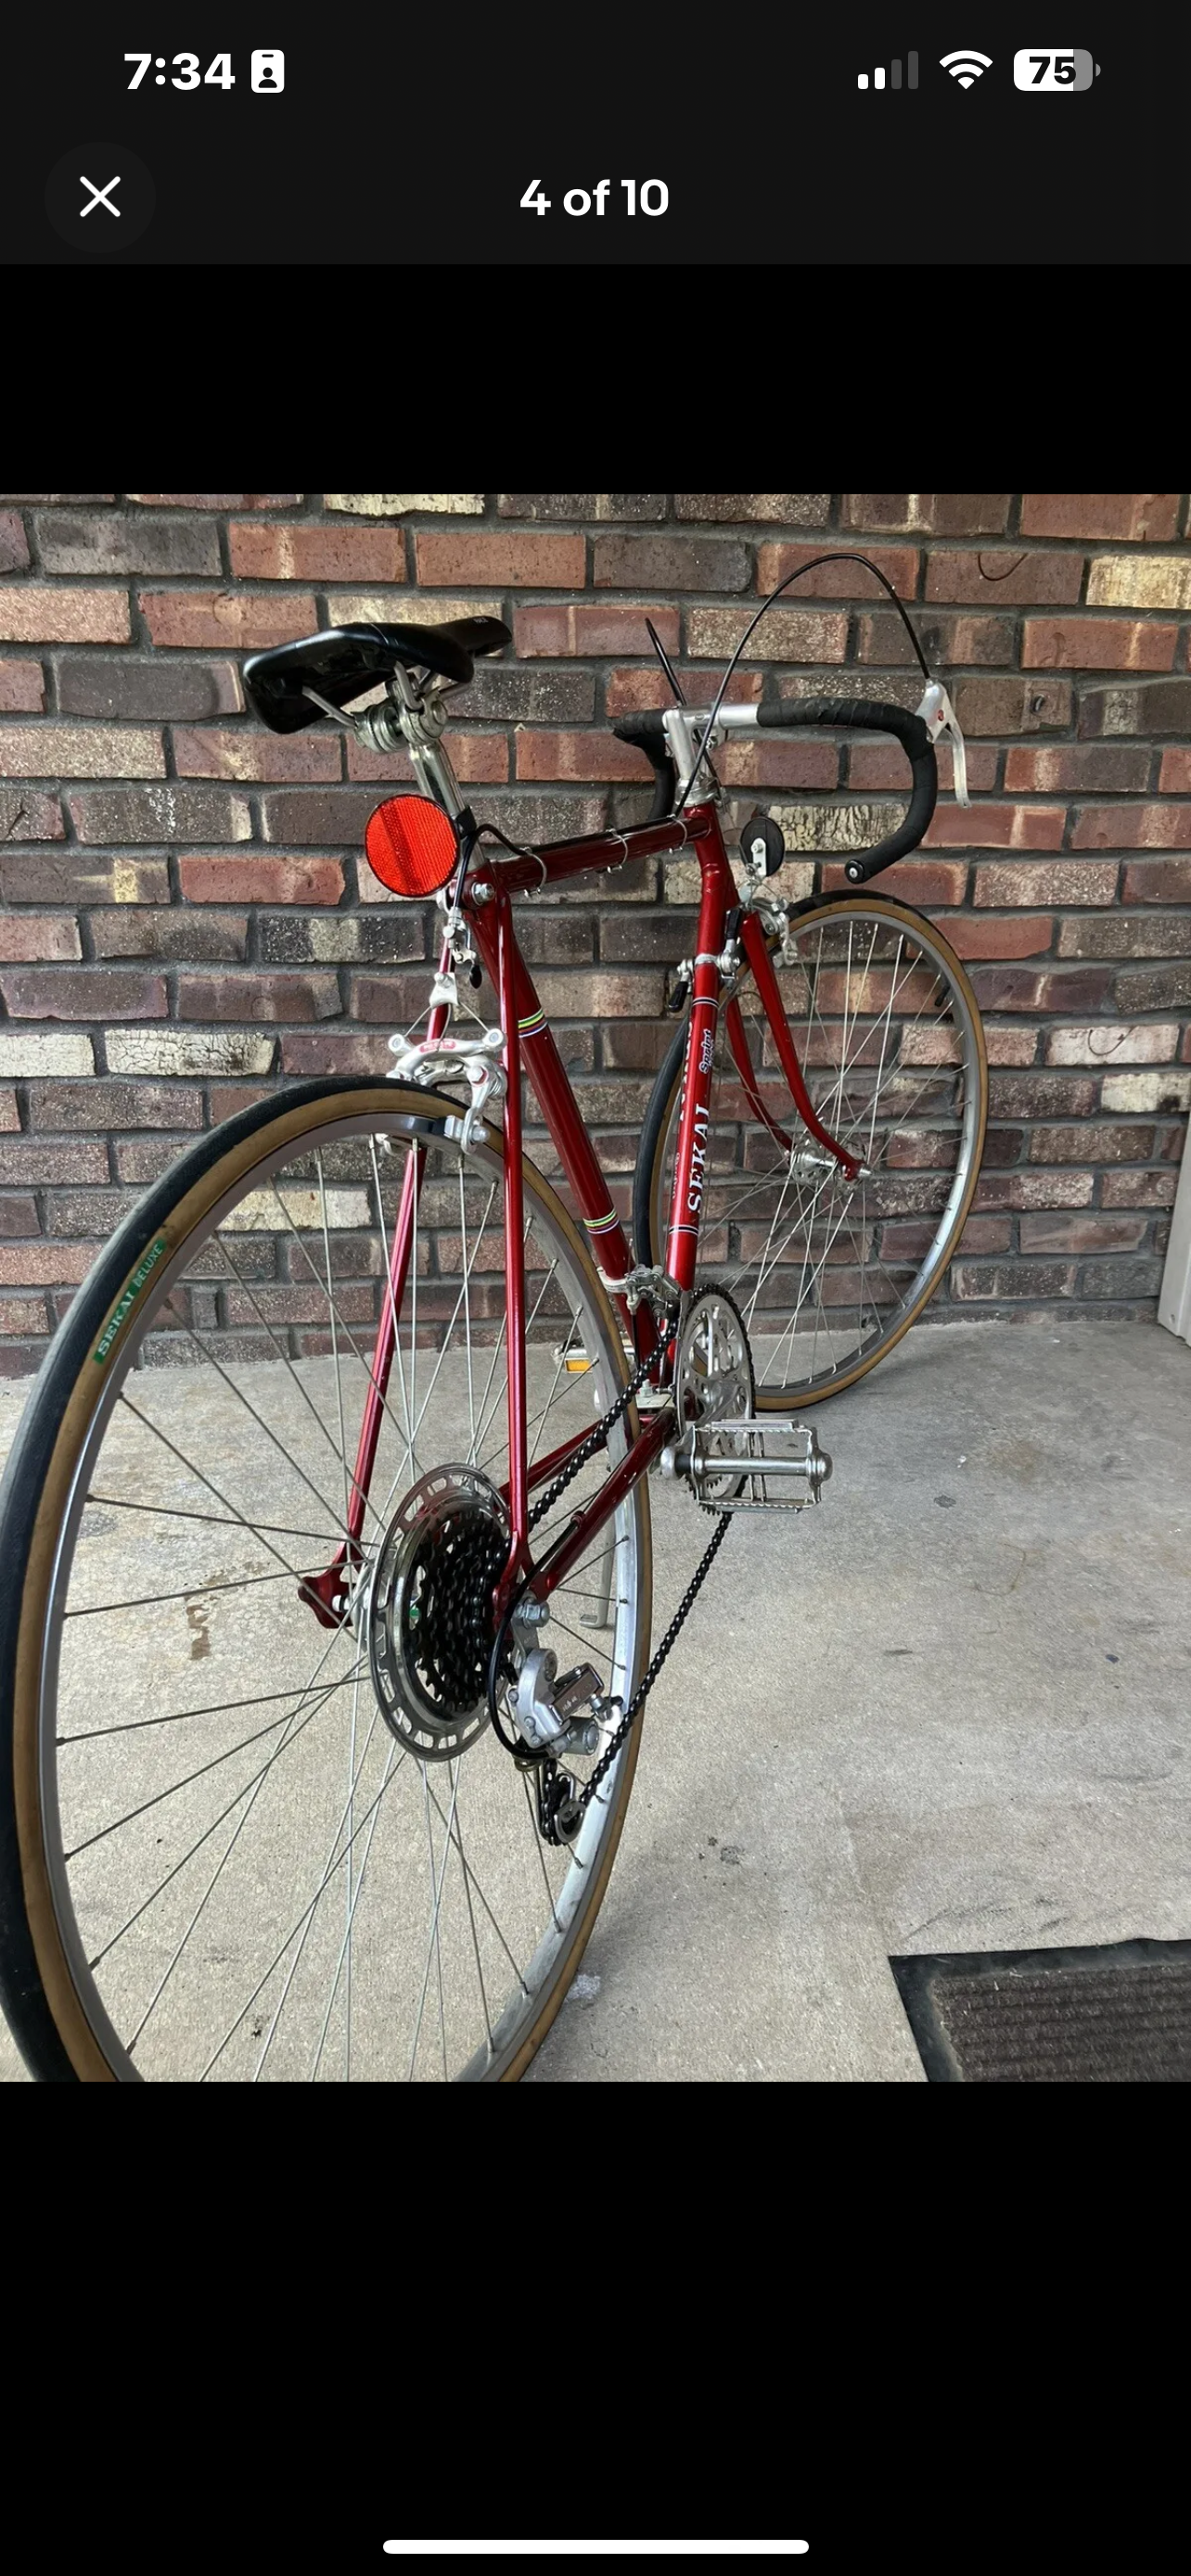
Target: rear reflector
411,845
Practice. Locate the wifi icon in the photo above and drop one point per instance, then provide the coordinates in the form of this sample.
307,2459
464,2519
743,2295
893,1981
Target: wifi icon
965,65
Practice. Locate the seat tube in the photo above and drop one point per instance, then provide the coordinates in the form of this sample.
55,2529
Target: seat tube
691,1161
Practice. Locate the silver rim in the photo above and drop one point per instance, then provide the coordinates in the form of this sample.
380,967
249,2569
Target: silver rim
254,1878
825,1274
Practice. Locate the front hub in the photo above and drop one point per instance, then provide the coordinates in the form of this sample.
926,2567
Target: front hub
430,1615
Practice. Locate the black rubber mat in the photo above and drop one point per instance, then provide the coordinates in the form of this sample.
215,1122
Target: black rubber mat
1114,2016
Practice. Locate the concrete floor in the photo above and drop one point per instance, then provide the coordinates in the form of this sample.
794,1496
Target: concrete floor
948,1710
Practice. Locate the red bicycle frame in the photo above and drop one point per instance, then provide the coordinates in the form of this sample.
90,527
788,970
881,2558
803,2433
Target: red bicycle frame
487,906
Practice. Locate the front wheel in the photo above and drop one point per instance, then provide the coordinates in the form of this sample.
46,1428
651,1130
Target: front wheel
243,1837
829,1274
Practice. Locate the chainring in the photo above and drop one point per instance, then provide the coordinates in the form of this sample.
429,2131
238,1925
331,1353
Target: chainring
713,1374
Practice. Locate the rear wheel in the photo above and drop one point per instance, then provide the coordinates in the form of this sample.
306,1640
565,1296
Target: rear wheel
829,1274
238,1843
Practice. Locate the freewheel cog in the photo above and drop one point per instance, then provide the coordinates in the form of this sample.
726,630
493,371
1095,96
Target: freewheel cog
430,1624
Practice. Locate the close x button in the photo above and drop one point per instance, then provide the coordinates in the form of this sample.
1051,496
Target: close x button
100,198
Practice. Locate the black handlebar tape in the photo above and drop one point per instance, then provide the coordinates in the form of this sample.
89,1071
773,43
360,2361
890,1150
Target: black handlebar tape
647,733
870,715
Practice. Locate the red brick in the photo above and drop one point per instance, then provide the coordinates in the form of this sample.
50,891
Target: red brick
1112,769
14,544
97,543
1011,1280
229,1098
583,505
37,1265
1081,1233
1133,827
997,827
81,751
1085,1142
1009,934
22,688
1097,644
208,500
89,1212
18,1215
577,755
1125,934
333,816
239,619
10,1117
104,1104
95,686
137,930
876,764
84,993
945,514
258,997
786,634
512,559
31,614
1010,1042
1157,881
23,1315
1012,706
1002,575
767,761
477,758
1152,707
595,629
262,552
394,997
25,935
333,1051
947,639
665,562
1017,988
1037,881
240,878
838,580
1138,517
784,509
165,813
1175,777
80,876
1138,1189
627,692
234,752
918,881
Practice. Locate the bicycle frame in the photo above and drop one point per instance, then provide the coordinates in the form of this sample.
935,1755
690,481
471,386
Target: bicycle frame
486,905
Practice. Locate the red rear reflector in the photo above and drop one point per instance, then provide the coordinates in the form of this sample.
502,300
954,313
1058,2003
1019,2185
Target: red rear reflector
411,845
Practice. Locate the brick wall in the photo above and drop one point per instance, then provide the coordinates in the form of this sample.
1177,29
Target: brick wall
187,919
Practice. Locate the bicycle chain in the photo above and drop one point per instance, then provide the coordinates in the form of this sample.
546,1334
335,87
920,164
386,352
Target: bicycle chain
555,1803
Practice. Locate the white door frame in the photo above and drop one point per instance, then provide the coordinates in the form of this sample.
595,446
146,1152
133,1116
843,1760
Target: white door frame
1174,1295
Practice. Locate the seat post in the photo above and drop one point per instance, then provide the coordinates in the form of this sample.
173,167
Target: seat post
421,723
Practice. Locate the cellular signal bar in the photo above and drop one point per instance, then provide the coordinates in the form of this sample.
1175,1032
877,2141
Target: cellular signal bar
895,75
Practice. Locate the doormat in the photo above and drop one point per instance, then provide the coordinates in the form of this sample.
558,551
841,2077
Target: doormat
1120,2015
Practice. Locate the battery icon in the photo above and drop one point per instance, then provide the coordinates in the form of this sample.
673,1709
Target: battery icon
1047,69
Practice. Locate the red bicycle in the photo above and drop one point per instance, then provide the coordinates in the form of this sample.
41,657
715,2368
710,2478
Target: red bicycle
327,1622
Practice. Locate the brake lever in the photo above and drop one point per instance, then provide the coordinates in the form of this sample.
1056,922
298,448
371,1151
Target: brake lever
939,716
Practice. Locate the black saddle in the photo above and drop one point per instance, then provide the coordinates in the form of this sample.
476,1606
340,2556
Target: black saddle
346,661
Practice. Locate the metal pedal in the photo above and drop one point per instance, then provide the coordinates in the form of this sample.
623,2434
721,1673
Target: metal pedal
770,1450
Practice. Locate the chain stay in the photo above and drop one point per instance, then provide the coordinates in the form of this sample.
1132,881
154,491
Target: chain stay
560,1812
